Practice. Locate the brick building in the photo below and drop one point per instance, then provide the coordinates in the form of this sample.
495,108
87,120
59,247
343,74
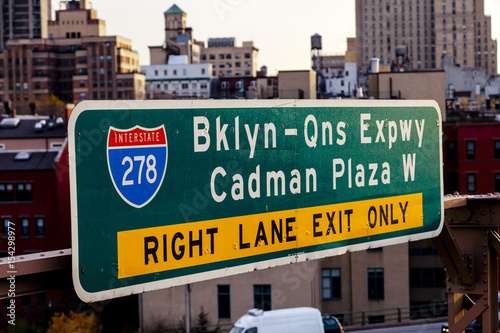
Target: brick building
471,156
425,31
34,200
78,61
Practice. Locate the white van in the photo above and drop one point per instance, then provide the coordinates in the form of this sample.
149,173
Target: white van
292,320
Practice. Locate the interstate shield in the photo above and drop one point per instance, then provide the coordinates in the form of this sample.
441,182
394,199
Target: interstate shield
137,160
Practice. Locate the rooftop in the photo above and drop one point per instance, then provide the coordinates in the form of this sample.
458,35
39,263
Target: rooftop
32,128
29,161
174,10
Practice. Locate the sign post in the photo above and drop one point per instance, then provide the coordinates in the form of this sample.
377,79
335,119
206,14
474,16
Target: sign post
165,193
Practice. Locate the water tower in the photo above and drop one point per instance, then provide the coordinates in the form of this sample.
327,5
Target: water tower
316,52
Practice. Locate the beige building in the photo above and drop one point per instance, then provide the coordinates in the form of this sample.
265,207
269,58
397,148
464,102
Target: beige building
300,84
267,87
358,281
23,20
77,62
227,59
333,65
425,31
410,85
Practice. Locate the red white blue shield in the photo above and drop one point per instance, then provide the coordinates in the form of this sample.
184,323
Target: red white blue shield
137,160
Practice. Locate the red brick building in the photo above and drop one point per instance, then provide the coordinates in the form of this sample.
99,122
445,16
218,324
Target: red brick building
471,156
34,199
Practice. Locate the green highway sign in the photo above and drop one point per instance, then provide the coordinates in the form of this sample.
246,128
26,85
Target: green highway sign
165,193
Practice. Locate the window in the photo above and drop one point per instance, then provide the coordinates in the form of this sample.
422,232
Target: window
41,299
262,296
6,192
377,319
40,227
427,278
375,283
6,221
22,192
451,151
26,301
82,84
247,55
237,55
224,301
497,182
453,183
471,150
203,71
221,56
471,182
25,226
330,283
497,149
184,86
422,248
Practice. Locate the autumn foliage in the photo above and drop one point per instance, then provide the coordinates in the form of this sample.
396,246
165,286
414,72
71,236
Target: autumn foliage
73,323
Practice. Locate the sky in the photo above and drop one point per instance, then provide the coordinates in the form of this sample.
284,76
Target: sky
280,29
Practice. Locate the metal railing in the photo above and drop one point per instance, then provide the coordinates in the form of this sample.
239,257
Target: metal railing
356,318
393,315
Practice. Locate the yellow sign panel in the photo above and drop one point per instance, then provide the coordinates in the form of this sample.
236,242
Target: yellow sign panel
171,247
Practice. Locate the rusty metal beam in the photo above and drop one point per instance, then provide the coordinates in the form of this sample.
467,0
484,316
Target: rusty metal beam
452,257
36,272
474,312
455,201
470,242
494,240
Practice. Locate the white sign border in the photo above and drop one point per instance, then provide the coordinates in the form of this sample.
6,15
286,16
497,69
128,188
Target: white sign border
212,104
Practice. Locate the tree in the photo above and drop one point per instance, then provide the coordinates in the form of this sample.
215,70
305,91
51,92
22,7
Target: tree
73,323
202,322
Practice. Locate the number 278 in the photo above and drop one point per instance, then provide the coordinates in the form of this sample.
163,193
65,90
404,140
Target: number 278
150,169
